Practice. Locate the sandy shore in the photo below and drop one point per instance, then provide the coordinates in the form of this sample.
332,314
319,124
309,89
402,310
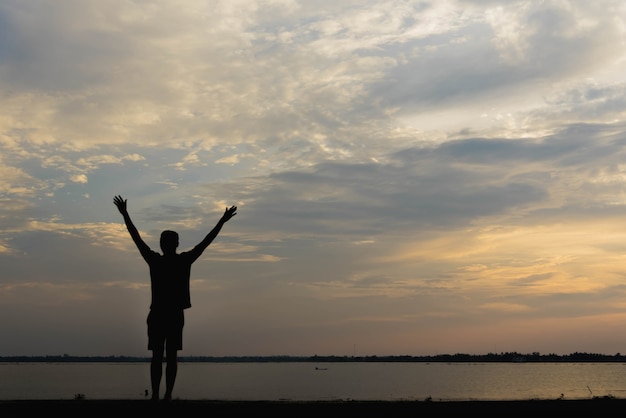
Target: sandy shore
597,407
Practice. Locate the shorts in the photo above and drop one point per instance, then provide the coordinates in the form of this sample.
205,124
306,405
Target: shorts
165,330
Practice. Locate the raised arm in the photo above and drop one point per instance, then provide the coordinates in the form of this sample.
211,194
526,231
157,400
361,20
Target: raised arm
132,230
228,214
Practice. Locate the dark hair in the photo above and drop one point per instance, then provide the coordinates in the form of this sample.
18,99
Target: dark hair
169,241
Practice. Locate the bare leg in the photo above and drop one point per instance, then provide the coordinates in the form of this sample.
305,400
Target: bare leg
170,372
156,372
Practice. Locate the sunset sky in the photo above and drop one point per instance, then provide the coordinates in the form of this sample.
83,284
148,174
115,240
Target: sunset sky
411,177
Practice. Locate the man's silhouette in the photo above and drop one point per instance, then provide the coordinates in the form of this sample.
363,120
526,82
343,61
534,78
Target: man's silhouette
169,279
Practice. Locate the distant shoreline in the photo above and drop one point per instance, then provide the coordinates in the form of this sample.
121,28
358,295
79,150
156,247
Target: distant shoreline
512,357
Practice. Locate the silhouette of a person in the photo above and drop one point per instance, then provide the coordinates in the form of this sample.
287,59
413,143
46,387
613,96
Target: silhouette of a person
170,296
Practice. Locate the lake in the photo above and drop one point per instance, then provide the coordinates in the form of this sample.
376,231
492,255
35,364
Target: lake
308,381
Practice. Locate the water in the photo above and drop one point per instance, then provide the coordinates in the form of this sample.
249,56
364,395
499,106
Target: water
319,381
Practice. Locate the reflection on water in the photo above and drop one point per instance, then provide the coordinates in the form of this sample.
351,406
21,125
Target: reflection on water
313,381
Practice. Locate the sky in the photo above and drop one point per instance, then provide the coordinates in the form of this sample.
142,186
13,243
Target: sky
411,177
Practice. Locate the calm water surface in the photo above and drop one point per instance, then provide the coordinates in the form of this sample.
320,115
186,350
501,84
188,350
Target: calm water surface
319,381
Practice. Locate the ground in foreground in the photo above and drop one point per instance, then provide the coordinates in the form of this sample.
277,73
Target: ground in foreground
362,409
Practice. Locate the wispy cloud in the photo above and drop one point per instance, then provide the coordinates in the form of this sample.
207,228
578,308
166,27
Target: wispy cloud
421,164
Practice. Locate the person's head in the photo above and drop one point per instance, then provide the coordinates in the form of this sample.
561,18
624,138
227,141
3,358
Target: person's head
169,242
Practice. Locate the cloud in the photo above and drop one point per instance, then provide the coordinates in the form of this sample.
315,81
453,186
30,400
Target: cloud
505,307
398,164
79,178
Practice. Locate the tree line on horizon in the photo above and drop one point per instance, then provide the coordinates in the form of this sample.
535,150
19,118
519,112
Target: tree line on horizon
507,357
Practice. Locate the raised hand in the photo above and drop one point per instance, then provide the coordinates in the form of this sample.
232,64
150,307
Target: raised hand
121,204
229,213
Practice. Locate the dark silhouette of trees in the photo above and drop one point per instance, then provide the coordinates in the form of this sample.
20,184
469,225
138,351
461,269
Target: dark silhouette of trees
505,357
